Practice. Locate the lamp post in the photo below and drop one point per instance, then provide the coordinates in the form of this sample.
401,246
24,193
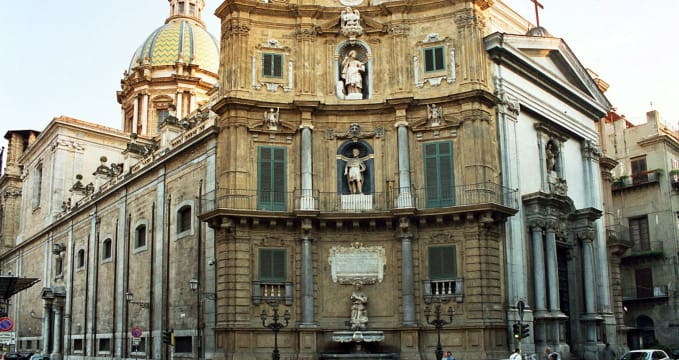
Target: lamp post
438,324
275,326
195,287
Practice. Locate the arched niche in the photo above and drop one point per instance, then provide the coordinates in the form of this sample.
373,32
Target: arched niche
345,151
360,52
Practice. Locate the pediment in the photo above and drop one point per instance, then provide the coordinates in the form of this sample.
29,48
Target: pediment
547,59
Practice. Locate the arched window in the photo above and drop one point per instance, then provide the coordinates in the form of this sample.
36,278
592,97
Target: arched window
107,250
140,236
81,259
184,218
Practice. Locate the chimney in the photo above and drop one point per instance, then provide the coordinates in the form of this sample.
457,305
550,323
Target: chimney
653,116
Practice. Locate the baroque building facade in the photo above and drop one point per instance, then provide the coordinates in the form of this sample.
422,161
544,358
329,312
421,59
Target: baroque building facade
353,164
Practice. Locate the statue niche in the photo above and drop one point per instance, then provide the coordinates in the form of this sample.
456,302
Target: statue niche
355,168
352,67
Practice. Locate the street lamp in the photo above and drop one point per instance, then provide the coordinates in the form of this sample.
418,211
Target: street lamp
438,324
275,326
194,286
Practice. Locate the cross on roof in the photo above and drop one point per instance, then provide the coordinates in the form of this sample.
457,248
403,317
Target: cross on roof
537,14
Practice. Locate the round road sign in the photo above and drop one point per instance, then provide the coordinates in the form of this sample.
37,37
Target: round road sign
136,332
6,324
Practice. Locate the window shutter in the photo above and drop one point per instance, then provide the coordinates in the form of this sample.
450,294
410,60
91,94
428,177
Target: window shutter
438,174
272,178
267,62
272,264
277,65
429,60
442,263
439,59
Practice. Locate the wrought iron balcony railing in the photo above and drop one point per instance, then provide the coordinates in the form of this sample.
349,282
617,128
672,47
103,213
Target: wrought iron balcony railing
299,200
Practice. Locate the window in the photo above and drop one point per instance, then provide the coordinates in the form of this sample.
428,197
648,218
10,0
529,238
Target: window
140,236
162,115
644,282
81,259
439,182
434,59
638,228
638,166
272,65
442,262
77,344
272,265
184,219
37,186
59,266
271,178
106,250
183,344
181,7
192,9
104,345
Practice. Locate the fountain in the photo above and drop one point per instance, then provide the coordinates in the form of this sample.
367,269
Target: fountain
358,336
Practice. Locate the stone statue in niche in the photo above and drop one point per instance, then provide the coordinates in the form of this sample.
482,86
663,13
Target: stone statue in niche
353,170
551,157
434,115
359,314
352,76
272,118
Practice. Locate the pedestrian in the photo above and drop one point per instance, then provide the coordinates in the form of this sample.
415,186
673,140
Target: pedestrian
516,355
448,356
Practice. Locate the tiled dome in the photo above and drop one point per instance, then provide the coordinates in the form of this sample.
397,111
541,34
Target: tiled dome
179,40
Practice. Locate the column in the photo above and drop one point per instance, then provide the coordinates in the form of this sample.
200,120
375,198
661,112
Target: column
407,279
552,275
46,325
145,114
135,115
588,271
180,105
307,281
58,311
307,198
404,196
538,267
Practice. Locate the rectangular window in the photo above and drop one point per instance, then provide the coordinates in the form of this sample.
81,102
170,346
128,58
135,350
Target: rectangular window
77,344
638,228
644,282
107,250
140,236
442,262
638,165
439,182
271,178
104,345
434,59
162,115
272,65
272,265
184,219
183,344
37,186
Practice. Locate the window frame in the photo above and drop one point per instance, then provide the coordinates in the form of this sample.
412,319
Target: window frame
272,65
271,194
108,242
442,254
434,54
434,186
642,240
271,254
137,245
80,259
184,219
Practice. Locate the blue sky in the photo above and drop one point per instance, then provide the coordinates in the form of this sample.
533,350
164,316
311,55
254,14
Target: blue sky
66,57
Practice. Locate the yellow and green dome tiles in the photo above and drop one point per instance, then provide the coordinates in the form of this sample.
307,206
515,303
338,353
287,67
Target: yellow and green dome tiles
179,40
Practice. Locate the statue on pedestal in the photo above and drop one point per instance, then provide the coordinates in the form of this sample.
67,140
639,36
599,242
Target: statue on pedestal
359,314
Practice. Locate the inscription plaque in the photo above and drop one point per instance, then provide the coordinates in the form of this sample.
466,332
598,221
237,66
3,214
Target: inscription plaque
357,264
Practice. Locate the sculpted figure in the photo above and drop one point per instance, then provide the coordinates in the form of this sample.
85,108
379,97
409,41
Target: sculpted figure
354,172
434,115
551,157
359,314
271,118
352,73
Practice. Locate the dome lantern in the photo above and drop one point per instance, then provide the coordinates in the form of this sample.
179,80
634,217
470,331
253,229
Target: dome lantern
191,9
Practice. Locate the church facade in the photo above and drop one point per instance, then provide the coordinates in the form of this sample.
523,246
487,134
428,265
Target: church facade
350,168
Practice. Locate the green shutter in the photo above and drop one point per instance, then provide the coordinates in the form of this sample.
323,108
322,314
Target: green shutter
439,181
272,265
278,66
434,59
272,65
271,178
442,262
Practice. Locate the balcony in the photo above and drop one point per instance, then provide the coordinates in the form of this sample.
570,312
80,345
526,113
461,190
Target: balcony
653,250
253,201
641,179
444,289
263,291
636,296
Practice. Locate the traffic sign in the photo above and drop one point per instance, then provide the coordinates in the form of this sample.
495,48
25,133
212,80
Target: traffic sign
8,337
136,341
6,324
136,332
